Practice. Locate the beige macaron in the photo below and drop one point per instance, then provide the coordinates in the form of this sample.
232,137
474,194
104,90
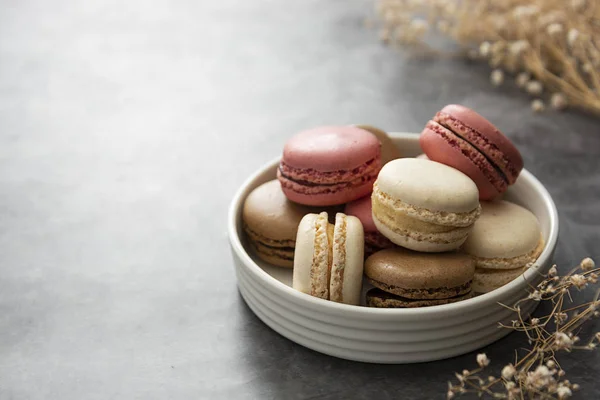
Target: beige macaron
271,222
419,279
389,151
424,205
486,280
505,240
506,236
328,261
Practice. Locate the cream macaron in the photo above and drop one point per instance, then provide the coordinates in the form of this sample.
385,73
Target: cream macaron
328,260
505,240
424,205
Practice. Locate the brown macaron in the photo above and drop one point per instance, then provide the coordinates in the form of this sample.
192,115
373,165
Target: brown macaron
430,278
271,222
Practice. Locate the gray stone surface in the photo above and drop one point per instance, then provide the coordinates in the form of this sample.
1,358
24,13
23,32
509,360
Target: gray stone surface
126,127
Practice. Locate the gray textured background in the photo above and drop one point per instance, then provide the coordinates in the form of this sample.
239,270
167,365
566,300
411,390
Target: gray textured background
126,127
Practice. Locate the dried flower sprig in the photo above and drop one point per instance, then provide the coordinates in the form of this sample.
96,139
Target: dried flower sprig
550,46
538,373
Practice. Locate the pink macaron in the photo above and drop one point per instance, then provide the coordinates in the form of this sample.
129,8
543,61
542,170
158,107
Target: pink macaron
459,137
329,165
374,240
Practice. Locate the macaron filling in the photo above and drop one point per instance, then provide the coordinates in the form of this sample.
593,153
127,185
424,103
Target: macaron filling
321,261
381,299
317,182
482,143
338,262
487,167
434,217
391,214
428,293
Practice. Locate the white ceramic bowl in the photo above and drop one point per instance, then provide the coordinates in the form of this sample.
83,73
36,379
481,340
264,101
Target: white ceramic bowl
385,335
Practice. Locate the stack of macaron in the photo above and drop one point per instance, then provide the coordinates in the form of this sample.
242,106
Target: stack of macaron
423,231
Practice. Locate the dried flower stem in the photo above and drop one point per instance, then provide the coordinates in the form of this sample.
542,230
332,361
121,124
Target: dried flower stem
556,43
538,373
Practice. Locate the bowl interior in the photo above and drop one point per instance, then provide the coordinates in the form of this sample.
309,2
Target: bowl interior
527,192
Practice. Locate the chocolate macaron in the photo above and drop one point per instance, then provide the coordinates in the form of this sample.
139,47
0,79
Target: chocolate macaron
404,278
271,222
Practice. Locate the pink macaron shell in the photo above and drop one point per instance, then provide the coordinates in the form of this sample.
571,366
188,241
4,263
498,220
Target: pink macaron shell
361,209
331,148
445,147
485,136
323,196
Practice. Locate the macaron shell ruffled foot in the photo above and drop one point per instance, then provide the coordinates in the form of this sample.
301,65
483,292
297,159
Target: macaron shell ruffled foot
505,240
459,137
329,165
424,205
328,261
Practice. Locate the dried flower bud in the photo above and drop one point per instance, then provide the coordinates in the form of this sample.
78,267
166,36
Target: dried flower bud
591,346
537,106
449,394
577,5
562,341
484,49
535,295
554,29
551,17
597,336
561,373
575,386
518,47
509,385
558,101
572,37
563,392
550,364
534,87
553,271
578,281
419,26
465,372
497,77
535,321
560,318
491,379
525,11
508,372
587,264
539,378
596,314
483,360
